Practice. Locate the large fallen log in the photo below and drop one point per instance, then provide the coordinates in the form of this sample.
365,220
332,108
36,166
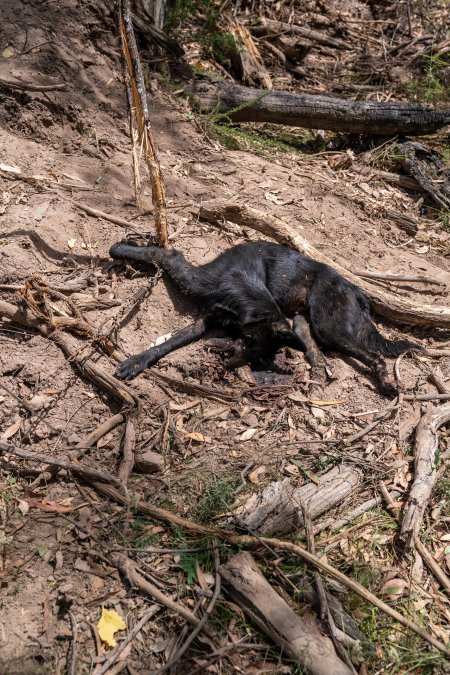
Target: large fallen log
279,509
392,307
244,104
299,638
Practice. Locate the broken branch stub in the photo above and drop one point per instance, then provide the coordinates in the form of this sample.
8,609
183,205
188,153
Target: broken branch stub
393,307
298,637
279,509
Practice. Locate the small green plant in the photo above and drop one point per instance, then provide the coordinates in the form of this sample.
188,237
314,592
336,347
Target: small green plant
216,498
141,538
429,87
184,9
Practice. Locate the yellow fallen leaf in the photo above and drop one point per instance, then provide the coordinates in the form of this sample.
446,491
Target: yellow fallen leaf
71,243
198,437
110,622
8,52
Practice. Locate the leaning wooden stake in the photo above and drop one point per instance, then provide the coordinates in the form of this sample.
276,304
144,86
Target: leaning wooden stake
385,304
138,107
298,638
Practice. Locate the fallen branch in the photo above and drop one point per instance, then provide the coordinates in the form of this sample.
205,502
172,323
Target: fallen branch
315,36
244,104
85,472
114,387
13,84
386,276
105,216
324,608
79,450
129,571
425,468
199,627
279,509
385,304
432,565
254,72
299,639
428,168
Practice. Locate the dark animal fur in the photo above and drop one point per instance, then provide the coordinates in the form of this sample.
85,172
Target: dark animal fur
251,290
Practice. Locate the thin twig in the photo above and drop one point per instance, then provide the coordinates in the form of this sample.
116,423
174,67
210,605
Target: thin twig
386,276
83,471
432,564
324,608
368,428
80,449
32,87
105,216
128,569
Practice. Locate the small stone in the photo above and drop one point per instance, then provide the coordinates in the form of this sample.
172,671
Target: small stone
149,462
41,432
39,401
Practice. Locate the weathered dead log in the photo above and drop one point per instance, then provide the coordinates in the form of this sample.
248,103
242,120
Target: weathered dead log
243,104
426,445
298,637
428,168
400,310
279,509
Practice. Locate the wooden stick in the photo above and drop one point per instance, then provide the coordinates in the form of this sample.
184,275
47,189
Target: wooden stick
185,646
385,304
129,443
32,87
129,571
80,449
352,585
105,216
432,564
84,471
24,317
